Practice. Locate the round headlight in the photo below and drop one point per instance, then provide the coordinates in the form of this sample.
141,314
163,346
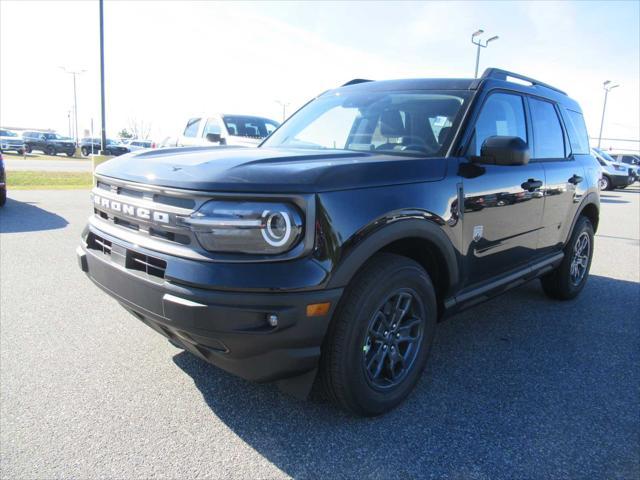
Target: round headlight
277,228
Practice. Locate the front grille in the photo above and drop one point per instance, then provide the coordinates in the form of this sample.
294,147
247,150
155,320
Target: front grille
145,263
172,207
133,260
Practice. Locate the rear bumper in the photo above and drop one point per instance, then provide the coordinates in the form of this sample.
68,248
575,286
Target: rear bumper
227,329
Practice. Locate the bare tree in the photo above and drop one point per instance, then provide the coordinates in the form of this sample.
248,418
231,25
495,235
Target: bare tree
139,128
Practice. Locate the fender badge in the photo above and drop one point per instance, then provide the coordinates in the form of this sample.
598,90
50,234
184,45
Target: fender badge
478,230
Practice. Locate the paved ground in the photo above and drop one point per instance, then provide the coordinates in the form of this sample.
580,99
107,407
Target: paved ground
60,163
520,387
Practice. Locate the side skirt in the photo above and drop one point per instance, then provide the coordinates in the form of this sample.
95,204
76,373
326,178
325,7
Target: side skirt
481,293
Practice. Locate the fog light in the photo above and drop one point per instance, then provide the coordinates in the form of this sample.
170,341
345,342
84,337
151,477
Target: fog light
273,319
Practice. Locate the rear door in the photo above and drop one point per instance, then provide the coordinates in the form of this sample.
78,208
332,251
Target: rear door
564,172
502,204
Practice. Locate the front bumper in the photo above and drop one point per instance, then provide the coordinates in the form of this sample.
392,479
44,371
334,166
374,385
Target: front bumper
11,147
621,180
226,328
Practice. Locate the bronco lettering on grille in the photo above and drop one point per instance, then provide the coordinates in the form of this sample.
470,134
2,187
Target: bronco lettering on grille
131,210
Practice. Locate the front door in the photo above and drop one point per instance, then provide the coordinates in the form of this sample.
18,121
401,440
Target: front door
503,205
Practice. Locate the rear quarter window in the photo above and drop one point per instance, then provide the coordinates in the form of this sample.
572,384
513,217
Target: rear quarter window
577,130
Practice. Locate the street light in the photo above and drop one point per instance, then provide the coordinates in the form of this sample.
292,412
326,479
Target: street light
480,45
75,97
284,108
608,86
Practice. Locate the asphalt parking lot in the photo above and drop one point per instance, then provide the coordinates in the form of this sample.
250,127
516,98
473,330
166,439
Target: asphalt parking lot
520,387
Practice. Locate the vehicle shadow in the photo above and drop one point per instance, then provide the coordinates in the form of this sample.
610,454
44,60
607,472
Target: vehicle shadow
518,387
18,216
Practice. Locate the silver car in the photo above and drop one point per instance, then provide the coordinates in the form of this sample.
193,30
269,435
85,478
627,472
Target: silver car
11,142
225,129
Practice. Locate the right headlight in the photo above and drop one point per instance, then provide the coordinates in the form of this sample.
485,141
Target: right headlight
246,227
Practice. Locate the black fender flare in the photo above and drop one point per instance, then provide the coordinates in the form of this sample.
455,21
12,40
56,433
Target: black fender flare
400,229
592,198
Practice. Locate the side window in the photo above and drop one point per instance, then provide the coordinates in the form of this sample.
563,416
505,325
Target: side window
502,115
192,127
548,137
577,131
212,126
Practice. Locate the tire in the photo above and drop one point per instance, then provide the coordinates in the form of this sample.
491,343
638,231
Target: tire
85,151
3,196
20,152
605,183
70,154
28,149
560,284
385,281
50,150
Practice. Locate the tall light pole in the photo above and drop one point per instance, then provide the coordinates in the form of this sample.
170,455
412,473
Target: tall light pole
75,73
478,41
102,102
608,86
284,108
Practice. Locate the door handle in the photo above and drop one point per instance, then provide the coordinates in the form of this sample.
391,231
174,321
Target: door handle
576,179
531,185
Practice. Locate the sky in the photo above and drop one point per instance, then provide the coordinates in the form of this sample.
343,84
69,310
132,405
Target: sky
166,61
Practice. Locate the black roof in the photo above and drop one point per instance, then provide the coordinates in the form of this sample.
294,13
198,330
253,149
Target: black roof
491,78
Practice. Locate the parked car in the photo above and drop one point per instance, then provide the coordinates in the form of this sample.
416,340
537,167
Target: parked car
630,159
136,144
3,183
224,129
93,145
11,142
378,209
614,174
49,143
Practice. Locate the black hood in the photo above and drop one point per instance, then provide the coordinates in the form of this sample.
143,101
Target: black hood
238,169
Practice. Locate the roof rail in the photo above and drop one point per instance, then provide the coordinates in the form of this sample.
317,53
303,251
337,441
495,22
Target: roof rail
499,74
355,81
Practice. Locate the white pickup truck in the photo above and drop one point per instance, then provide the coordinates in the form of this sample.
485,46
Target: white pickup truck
224,129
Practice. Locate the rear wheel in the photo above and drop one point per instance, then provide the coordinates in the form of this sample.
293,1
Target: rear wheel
379,340
28,149
568,279
85,151
605,183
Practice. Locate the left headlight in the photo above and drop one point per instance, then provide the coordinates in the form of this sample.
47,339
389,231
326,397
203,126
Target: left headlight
246,227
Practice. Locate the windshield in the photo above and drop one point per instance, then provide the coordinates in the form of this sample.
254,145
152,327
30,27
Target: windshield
7,133
245,126
406,123
604,155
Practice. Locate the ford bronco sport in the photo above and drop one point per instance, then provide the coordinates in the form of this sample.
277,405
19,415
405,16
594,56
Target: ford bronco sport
331,251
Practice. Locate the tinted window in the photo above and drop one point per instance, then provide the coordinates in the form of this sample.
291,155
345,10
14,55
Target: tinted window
577,131
245,126
501,115
547,132
192,127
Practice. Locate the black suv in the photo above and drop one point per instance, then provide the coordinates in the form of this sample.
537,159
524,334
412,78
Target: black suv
332,249
93,145
49,143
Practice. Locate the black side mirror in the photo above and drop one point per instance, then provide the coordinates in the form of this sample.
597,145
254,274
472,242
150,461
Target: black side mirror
504,151
214,137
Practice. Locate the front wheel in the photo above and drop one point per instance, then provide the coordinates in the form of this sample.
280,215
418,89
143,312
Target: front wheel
70,154
568,279
50,150
28,148
380,337
605,183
